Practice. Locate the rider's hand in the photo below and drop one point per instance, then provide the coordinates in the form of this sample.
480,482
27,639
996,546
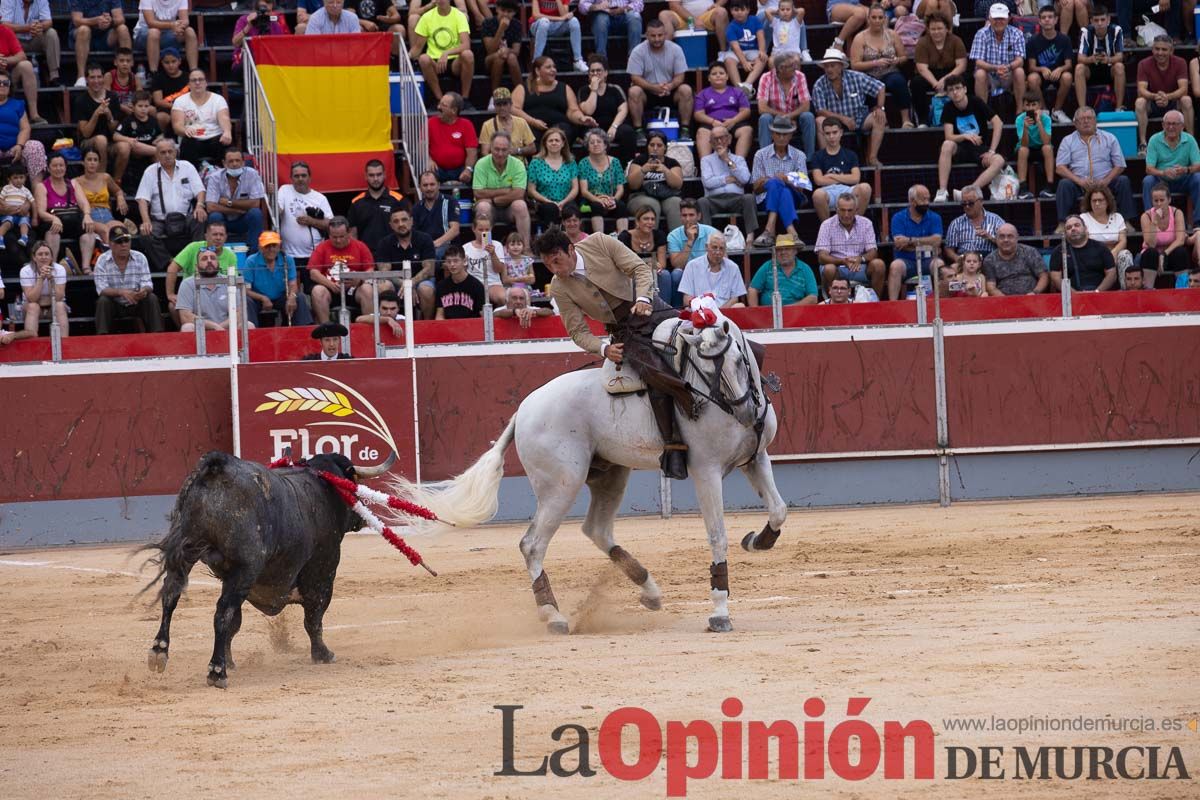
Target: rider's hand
642,308
615,353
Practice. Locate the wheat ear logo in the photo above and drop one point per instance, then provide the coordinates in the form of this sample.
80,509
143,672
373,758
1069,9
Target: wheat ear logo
334,403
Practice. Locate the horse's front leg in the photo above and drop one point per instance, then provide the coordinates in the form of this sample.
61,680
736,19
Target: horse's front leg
708,491
762,479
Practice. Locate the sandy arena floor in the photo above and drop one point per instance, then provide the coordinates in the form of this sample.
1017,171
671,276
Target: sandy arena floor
1048,609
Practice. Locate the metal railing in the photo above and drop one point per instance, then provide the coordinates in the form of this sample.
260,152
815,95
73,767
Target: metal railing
261,131
414,121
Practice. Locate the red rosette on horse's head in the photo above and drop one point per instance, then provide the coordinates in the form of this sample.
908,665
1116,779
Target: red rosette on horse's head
701,311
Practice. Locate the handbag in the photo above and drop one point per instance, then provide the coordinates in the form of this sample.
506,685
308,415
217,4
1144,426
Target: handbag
175,224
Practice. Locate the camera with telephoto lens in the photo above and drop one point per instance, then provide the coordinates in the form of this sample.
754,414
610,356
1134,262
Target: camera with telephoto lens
314,212
262,20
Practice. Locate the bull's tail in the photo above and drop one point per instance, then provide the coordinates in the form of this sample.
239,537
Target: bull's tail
466,500
176,553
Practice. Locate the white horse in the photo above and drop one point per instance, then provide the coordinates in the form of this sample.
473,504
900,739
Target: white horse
572,432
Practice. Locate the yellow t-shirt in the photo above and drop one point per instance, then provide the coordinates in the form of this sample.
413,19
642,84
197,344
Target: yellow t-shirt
441,33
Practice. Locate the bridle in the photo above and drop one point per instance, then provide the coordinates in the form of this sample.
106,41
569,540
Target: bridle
717,385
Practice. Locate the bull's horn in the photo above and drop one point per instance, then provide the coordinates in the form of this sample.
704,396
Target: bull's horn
375,472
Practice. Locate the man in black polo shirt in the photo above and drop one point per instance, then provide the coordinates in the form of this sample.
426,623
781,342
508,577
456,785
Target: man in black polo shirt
96,113
1090,265
371,210
405,244
435,214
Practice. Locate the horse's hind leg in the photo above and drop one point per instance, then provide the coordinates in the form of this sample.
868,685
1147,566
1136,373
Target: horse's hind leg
762,479
707,480
555,494
607,487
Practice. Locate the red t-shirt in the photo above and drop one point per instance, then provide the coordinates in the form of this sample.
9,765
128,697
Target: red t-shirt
8,42
448,143
1158,80
356,255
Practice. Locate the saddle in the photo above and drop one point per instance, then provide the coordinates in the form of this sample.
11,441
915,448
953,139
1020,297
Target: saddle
666,339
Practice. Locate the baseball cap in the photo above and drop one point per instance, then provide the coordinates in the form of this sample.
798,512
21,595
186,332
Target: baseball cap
998,11
268,237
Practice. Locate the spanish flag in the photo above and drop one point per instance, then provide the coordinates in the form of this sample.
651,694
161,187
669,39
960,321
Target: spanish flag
330,97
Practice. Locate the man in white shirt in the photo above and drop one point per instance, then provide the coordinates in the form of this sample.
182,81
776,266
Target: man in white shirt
713,273
304,215
167,188
162,24
332,19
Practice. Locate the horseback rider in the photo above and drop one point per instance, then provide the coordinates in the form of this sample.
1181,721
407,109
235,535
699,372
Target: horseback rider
603,279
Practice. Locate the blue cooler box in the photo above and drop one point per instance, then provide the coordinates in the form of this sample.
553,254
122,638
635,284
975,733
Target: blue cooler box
665,124
695,47
1123,125
398,93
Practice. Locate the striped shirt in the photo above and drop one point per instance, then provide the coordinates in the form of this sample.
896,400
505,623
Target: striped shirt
1111,43
1011,46
961,236
834,239
852,102
108,275
787,101
767,165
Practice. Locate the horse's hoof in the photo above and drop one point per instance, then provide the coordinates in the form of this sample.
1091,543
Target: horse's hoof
719,625
652,603
558,627
157,660
748,542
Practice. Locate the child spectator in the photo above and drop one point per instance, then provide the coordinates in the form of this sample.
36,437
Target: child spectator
789,34
747,46
518,265
1033,132
970,276
121,81
16,201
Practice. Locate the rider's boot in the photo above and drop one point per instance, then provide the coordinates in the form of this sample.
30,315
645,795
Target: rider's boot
674,457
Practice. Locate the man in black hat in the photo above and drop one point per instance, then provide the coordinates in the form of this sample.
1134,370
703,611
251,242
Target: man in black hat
330,335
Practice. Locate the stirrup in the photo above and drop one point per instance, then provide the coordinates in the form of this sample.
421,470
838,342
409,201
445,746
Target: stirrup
674,464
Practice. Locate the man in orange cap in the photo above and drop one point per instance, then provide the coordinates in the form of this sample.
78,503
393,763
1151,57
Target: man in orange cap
271,284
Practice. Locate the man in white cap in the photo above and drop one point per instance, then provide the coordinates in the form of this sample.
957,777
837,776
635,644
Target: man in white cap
841,93
998,51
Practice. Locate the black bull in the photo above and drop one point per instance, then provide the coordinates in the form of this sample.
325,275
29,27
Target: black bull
272,536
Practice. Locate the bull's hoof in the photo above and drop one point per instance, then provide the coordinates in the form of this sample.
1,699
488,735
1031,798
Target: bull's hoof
217,678
558,627
323,657
652,603
157,659
719,625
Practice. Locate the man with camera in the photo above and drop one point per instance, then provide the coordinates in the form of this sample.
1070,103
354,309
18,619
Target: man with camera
170,199
304,215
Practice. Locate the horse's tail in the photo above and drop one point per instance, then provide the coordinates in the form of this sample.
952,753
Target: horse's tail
466,500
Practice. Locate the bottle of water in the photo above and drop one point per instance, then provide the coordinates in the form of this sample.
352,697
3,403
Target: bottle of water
141,76
691,23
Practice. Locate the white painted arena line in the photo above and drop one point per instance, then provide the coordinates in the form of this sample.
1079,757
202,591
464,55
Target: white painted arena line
94,570
378,624
1000,587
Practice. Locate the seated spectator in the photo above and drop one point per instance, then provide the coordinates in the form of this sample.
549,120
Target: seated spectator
554,18
650,244
517,264
606,103
371,210
877,51
544,101
16,143
1101,58
206,304
713,273
726,106
1106,225
687,242
44,285
459,295
552,178
59,212
329,334
445,35
726,176
453,145
974,230
842,94
939,55
271,284
853,16
1034,132
384,16
121,81
163,25
499,186
304,214
184,262
775,176
234,195
602,183
1173,158
436,214
262,20
783,92
787,30
747,55
18,67
485,258
332,18
839,292
657,69
613,15
16,204
389,314
656,180
95,192
1164,235
705,15
1048,55
201,122
96,112
170,200
30,20
1014,268
998,51
124,287
1090,156
134,141
971,281
916,230
796,283
835,172
1194,279
517,305
1131,280
1090,264
478,10
846,247
502,40
963,121
524,143
1162,86
405,243
572,223
95,24
333,262
167,85
930,8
